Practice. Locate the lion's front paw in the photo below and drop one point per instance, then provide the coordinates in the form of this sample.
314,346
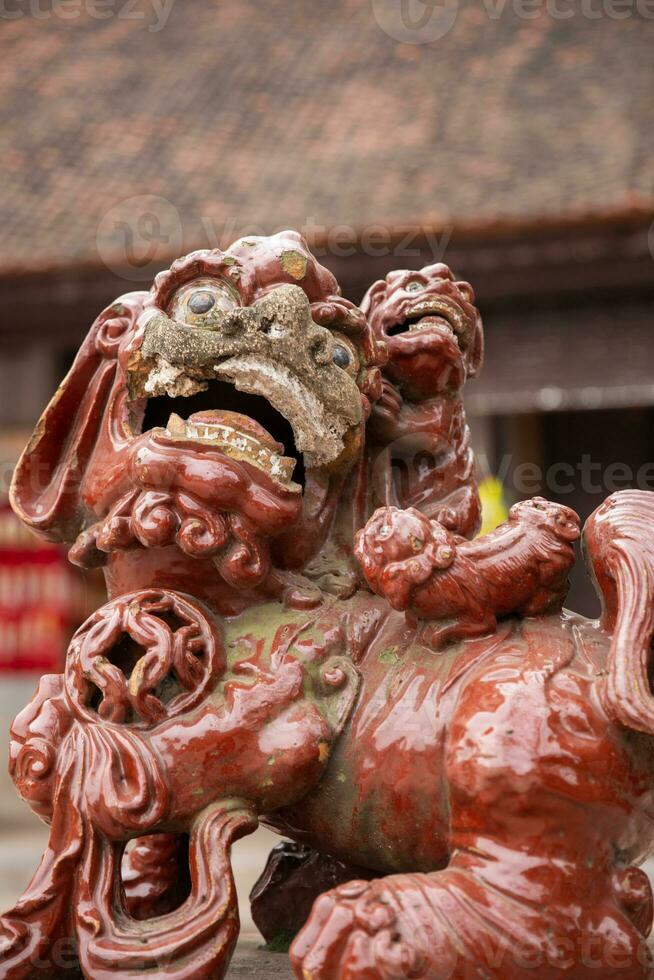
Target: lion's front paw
379,930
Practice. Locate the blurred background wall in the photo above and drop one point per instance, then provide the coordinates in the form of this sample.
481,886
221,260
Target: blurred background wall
511,139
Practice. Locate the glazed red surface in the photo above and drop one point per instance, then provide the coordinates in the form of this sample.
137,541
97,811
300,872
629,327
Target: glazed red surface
484,756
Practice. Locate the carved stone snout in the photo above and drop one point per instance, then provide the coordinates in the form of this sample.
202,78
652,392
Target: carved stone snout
273,349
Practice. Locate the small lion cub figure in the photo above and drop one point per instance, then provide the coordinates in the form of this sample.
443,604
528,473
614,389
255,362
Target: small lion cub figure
459,588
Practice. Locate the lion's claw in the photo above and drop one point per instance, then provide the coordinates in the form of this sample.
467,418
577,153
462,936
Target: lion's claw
359,931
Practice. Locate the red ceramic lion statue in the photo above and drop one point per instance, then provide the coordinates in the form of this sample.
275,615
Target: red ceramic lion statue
417,434
412,709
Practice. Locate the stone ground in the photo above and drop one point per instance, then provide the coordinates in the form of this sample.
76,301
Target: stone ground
23,837
251,961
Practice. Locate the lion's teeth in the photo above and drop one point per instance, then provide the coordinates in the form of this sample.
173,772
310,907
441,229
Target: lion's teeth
441,325
237,444
176,426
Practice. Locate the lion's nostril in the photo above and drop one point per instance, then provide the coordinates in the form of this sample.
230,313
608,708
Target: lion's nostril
230,325
269,326
320,350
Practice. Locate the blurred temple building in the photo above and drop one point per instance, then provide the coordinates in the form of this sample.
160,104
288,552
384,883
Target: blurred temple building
516,149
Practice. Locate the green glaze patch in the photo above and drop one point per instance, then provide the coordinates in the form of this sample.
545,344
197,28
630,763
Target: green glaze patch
390,656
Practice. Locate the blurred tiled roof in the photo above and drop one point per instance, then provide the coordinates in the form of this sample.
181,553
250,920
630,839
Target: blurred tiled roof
261,114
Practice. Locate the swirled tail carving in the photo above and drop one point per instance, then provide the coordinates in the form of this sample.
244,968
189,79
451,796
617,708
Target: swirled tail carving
82,757
192,943
619,549
42,918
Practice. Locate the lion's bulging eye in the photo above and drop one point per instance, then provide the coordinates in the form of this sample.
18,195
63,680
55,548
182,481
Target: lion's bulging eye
344,355
341,356
414,286
201,302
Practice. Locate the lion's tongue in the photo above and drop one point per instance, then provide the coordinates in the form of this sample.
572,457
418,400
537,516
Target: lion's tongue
236,435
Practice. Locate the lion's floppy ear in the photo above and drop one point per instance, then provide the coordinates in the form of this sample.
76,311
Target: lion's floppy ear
45,490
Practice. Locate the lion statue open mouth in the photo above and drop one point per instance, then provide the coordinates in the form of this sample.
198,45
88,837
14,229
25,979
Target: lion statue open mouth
221,415
300,631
